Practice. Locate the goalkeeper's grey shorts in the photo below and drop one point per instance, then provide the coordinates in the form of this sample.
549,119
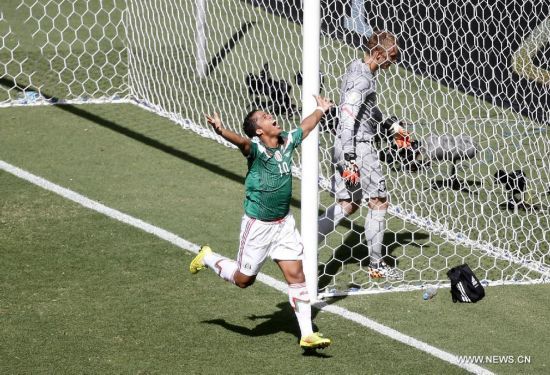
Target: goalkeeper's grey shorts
373,183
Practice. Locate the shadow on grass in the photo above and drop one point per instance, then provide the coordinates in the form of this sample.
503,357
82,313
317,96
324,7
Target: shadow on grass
144,139
281,320
139,137
229,46
457,184
354,250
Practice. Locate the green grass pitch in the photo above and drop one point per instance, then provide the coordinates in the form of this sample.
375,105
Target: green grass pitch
82,293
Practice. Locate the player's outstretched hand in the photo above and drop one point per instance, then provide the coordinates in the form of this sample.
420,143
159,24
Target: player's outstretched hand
323,103
215,121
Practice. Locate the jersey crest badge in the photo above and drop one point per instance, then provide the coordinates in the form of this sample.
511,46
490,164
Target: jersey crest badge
278,156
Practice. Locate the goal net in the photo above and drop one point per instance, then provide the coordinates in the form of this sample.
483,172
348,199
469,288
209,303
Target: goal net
467,70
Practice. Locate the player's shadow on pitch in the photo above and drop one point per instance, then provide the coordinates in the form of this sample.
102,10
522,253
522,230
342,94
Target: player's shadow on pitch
281,320
354,250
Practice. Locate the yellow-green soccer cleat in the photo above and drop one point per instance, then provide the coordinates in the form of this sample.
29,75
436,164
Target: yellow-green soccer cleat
197,263
314,341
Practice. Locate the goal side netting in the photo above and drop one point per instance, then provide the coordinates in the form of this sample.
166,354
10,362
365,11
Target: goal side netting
467,70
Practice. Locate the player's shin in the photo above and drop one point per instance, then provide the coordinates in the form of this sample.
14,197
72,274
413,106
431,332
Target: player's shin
299,300
224,267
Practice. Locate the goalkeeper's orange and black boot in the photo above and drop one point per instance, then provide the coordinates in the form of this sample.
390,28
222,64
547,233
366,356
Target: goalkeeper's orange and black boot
380,270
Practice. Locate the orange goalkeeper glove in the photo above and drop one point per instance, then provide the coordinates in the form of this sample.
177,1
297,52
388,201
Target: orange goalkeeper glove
403,139
351,170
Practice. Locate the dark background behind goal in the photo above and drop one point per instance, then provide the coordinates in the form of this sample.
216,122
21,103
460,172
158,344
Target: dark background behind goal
466,45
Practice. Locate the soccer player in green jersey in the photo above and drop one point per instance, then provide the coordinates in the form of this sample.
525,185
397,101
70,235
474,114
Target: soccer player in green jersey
268,227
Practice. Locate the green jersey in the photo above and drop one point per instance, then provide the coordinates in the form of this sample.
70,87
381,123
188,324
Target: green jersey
268,182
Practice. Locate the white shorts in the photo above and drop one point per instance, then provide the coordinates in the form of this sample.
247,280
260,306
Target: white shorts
279,239
372,181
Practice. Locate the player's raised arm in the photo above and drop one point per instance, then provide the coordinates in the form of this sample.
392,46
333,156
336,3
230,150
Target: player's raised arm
241,142
309,123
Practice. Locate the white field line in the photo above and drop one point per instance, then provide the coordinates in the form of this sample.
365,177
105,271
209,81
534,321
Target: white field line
268,280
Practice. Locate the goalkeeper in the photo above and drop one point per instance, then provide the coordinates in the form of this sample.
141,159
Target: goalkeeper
268,227
359,174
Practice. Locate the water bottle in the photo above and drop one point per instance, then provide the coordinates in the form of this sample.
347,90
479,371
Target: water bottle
430,293
31,96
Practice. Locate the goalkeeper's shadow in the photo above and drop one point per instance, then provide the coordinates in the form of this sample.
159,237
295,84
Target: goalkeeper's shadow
353,250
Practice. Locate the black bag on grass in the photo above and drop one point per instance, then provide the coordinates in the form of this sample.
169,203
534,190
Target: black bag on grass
465,286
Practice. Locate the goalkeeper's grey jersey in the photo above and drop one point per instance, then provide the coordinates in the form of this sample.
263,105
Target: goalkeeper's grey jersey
359,115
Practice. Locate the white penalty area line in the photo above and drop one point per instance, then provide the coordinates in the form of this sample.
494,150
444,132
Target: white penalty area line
268,280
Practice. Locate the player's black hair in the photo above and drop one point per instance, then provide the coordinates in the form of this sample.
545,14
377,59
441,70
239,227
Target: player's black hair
249,124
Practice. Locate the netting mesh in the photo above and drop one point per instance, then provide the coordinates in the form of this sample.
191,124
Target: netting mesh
73,50
467,69
14,66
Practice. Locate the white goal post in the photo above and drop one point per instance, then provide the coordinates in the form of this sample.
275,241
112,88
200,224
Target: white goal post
310,147
467,71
